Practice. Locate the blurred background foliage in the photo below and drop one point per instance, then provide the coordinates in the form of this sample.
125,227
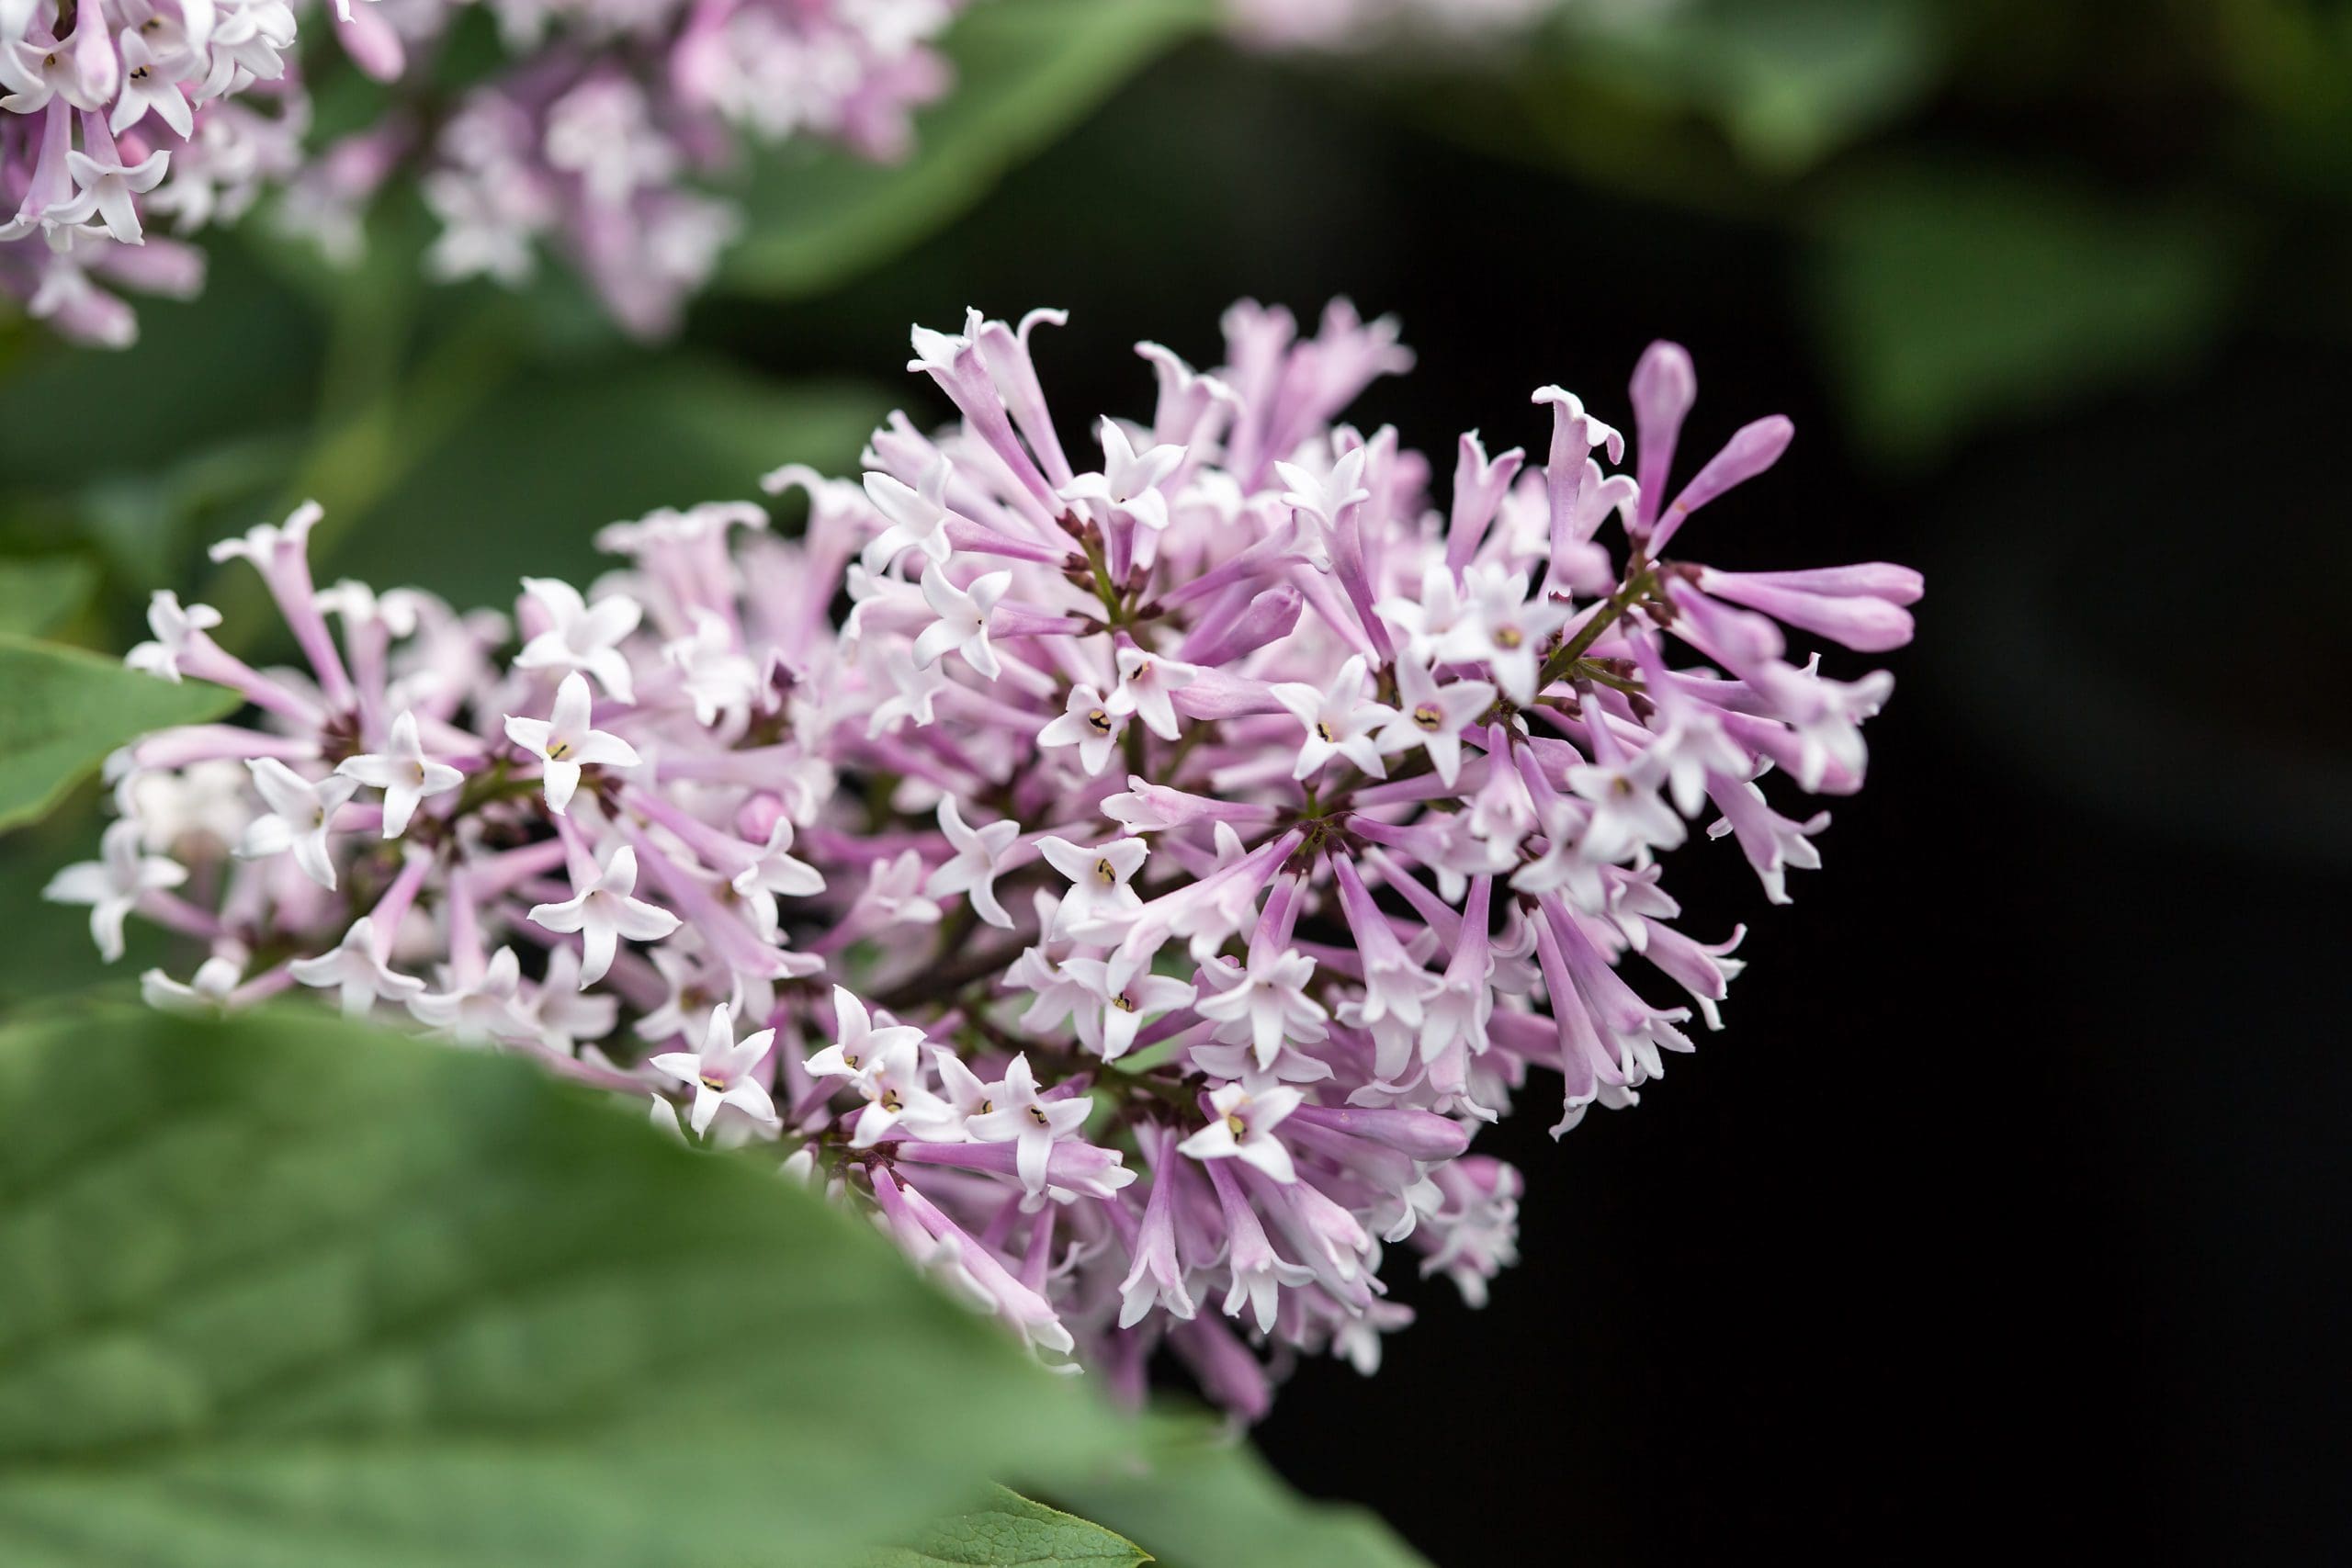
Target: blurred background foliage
2055,288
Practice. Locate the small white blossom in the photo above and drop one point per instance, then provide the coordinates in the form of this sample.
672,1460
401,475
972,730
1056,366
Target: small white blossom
355,966
1244,1128
301,815
176,628
962,624
112,884
1032,1124
1100,898
721,1073
1339,722
1088,724
980,854
1129,481
405,774
582,637
604,911
1146,682
564,743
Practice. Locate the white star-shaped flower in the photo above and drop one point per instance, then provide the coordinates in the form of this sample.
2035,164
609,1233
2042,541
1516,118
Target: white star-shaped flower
112,884
1263,1003
1432,715
487,1009
717,677
108,184
980,852
1339,722
1502,628
1426,623
147,85
1088,724
1101,902
721,1073
1244,1130
1117,1010
1145,681
1032,1124
300,815
1326,495
582,637
962,624
207,992
602,912
404,773
175,630
564,743
355,966
884,1065
1628,814
1128,482
918,514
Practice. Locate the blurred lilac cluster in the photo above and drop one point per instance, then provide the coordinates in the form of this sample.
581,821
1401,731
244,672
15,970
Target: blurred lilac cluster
122,113
1135,883
587,141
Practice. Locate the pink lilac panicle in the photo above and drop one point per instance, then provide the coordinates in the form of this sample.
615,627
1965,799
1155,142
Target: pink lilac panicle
121,118
1134,870
610,134
604,139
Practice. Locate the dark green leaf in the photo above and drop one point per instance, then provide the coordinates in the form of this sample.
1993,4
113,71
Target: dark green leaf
38,593
62,710
1209,1501
1026,72
288,1294
1788,83
1011,1532
1948,295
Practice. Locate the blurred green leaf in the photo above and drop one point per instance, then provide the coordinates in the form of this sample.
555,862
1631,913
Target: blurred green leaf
1011,1532
1207,1500
62,710
240,359
287,1293
524,482
1026,72
1945,296
37,594
1788,82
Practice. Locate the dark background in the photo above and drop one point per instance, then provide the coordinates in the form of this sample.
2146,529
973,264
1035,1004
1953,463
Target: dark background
2001,1216
2005,1212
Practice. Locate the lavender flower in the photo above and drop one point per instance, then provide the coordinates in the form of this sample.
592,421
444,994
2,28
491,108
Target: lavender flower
1141,892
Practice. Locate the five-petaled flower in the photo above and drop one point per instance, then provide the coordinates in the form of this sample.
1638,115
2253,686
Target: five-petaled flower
723,1072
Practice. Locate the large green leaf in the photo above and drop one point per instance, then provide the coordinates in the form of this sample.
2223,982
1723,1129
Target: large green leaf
1011,1532
1948,295
38,592
1207,1500
1788,83
523,484
62,710
288,1294
1025,71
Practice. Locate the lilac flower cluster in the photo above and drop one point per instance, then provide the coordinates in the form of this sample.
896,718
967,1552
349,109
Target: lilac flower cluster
118,113
1136,883
590,139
